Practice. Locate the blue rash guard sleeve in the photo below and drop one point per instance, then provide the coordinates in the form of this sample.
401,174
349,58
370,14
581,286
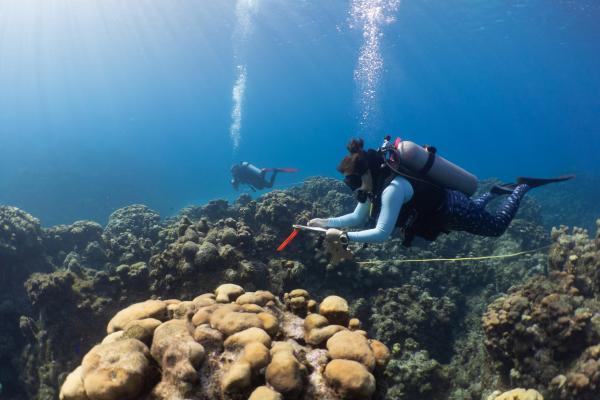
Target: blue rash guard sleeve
359,216
398,192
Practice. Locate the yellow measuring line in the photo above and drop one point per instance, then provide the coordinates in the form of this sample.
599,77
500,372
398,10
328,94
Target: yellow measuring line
455,259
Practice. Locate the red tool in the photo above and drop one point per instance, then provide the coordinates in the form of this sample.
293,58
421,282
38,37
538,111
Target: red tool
336,249
289,239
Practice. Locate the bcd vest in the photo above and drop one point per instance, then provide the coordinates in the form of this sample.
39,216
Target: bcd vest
423,215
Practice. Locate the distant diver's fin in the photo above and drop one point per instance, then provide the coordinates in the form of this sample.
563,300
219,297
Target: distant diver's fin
279,170
506,188
533,182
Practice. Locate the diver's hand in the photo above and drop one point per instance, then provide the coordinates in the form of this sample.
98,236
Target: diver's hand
319,222
333,235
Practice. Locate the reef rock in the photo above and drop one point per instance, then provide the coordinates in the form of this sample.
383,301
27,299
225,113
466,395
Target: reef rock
137,219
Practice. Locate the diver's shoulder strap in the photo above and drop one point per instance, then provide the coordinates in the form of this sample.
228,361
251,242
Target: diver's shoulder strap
428,164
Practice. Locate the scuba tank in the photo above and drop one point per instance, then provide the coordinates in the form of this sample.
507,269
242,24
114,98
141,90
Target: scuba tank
423,215
436,169
251,169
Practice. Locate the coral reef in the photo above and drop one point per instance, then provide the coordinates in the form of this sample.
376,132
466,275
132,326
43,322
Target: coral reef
409,312
427,313
239,359
21,247
80,237
136,219
543,335
21,254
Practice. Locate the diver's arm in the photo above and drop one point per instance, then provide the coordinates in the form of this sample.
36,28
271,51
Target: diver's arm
392,199
356,218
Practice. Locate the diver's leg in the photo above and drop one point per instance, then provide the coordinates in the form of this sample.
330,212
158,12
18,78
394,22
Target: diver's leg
470,216
485,198
272,180
497,224
506,212
463,214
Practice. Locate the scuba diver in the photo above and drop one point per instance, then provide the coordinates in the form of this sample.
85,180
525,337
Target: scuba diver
425,203
386,141
248,174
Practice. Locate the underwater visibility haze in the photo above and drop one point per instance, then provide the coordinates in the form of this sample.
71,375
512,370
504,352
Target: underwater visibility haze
119,126
106,104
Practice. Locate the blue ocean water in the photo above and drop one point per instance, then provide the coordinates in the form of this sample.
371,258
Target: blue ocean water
108,103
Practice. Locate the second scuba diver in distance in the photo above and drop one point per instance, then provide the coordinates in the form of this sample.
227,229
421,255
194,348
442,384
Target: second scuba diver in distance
408,200
248,174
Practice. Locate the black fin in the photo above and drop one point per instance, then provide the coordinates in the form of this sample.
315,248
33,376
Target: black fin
506,188
534,182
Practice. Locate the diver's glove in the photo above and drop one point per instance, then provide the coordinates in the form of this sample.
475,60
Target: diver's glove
319,222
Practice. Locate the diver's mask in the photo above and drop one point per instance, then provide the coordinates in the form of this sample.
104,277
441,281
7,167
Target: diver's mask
354,181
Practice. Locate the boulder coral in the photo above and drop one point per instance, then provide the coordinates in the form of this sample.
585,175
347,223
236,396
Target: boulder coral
73,388
335,309
284,373
142,330
265,393
353,346
317,329
210,359
516,394
112,371
148,309
350,378
178,354
228,293
255,356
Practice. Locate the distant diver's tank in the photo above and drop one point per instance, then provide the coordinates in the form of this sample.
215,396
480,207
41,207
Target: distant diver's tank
436,169
251,168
